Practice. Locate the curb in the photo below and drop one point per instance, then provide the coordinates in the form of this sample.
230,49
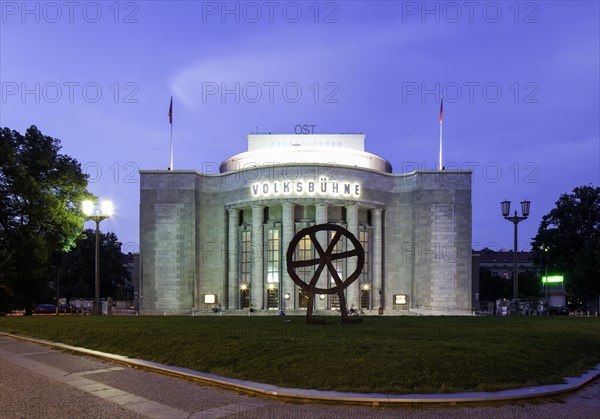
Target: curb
302,395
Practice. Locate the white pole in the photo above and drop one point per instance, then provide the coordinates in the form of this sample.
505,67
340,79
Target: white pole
171,165
171,123
441,146
441,118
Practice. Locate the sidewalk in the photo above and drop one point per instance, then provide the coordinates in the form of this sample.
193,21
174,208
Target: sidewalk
366,399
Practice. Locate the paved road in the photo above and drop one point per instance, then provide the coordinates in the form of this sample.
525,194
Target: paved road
36,381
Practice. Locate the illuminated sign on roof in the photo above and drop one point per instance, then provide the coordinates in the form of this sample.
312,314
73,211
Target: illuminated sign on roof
306,188
557,279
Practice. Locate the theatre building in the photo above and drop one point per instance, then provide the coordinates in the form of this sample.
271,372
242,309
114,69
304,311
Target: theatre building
221,237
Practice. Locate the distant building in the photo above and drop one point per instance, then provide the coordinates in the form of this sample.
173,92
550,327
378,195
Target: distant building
132,262
501,264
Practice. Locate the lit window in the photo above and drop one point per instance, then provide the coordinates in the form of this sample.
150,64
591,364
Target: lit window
363,238
338,264
245,268
273,247
304,251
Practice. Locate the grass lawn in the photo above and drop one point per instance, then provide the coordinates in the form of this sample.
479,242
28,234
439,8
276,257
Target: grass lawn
383,354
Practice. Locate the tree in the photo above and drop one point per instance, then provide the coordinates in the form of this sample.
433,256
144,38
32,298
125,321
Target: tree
77,268
40,192
529,284
492,287
571,235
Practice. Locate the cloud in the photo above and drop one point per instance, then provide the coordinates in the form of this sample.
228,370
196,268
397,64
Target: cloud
334,53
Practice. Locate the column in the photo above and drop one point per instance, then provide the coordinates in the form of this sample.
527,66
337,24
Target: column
321,218
287,234
352,292
257,287
377,300
233,283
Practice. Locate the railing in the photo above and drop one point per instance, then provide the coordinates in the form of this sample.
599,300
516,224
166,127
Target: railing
584,313
444,311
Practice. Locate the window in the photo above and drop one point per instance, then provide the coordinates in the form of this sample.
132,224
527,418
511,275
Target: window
272,297
304,252
245,268
364,298
273,270
273,245
338,264
302,298
365,283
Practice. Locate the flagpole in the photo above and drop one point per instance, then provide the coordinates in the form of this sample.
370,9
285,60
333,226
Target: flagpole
440,146
171,165
441,118
171,123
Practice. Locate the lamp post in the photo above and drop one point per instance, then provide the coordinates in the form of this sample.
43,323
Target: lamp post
88,210
545,249
505,206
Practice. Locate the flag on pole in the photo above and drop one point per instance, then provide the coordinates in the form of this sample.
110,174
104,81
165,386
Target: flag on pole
441,109
171,111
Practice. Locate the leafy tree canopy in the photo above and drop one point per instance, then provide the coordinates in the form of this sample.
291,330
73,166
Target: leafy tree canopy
78,268
40,193
493,287
570,233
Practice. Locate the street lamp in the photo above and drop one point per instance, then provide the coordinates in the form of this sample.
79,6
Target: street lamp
505,206
91,214
545,249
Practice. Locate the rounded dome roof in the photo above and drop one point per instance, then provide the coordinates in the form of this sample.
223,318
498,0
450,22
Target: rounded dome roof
322,149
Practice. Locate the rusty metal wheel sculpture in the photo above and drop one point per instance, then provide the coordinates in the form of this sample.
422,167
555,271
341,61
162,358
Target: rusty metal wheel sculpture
325,259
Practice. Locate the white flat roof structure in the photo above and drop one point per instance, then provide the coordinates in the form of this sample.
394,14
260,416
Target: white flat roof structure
331,149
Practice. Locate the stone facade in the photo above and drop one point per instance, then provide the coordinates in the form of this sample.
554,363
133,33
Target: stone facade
224,237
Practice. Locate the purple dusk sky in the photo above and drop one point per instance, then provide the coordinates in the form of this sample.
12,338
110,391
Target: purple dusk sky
520,82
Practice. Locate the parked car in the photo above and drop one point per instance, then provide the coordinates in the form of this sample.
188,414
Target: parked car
45,308
68,308
559,311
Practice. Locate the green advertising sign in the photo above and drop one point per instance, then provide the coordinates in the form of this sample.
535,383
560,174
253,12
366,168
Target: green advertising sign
556,279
